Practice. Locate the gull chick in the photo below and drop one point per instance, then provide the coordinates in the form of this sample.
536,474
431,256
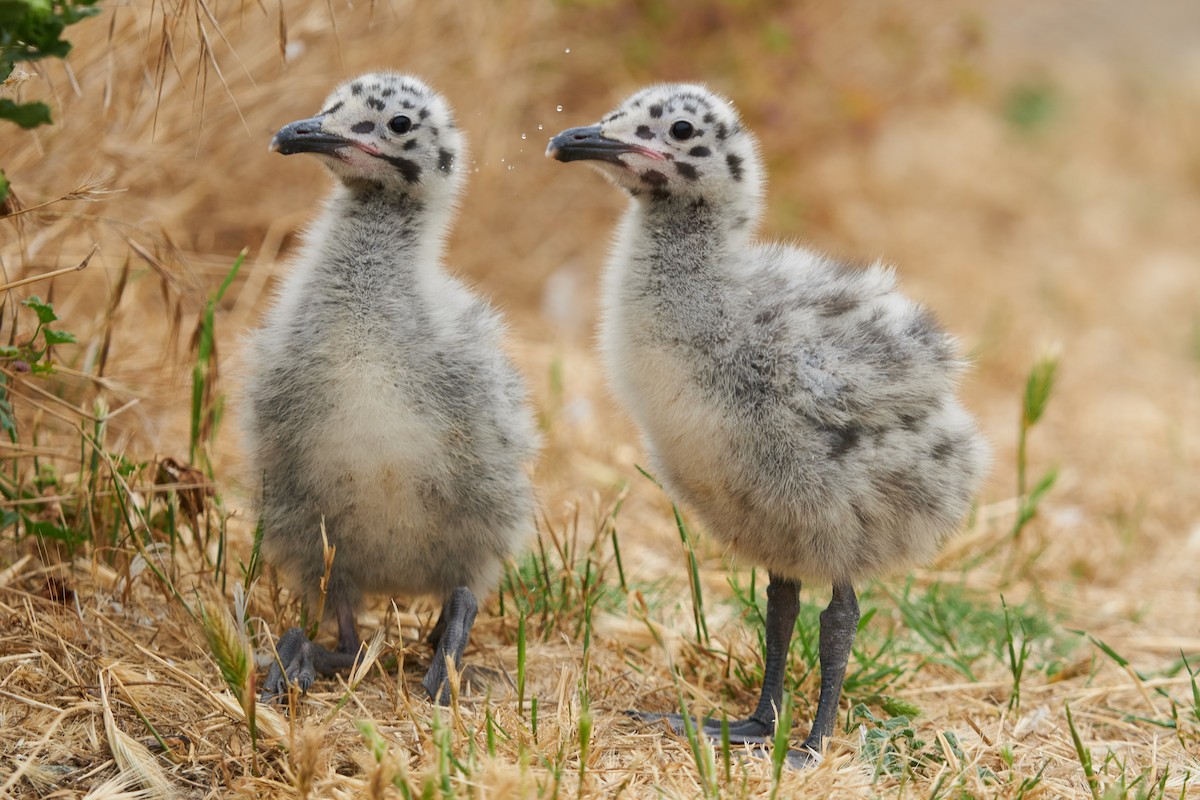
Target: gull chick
803,408
382,410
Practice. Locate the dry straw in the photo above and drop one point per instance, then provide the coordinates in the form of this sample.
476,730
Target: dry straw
1027,191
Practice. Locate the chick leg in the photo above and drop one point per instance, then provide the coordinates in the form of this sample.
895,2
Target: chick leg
298,660
839,624
453,629
783,605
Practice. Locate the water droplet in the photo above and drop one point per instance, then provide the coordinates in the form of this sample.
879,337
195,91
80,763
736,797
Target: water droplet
567,50
558,108
523,136
510,166
540,127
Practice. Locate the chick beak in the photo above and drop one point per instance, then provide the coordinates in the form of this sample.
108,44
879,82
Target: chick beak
306,136
589,144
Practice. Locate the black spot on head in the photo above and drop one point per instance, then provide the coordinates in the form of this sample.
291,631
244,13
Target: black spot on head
686,170
410,144
698,203
735,166
356,89
433,130
409,169
722,131
424,113
654,178
409,104
614,115
375,103
710,118
699,151
332,109
366,126
388,92
644,132
445,160
690,108
656,110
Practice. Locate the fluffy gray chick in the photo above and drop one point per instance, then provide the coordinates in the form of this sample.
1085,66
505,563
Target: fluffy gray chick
380,400
803,408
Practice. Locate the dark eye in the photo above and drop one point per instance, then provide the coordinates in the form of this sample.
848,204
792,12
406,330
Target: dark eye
682,129
400,124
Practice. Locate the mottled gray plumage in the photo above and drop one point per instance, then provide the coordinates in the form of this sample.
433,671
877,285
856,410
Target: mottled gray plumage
379,398
805,409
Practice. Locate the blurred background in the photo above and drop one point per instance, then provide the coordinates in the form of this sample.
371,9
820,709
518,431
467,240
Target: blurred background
1031,168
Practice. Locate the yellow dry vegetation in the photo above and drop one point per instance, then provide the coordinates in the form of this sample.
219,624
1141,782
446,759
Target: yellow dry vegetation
1031,169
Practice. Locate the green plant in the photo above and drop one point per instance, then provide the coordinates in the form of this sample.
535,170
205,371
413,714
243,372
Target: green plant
1017,654
33,355
207,405
31,30
1030,107
890,744
689,548
229,643
1085,756
779,750
564,574
1038,387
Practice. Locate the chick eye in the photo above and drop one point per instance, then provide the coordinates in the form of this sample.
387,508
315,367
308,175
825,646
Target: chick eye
400,124
682,129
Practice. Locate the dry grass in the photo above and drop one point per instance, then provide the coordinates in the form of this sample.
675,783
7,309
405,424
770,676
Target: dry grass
1033,171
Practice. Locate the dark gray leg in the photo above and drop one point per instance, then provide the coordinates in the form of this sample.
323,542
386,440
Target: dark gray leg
298,660
439,627
457,617
839,624
783,604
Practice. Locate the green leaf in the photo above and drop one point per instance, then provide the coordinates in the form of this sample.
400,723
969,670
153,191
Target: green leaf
58,337
1038,388
45,311
3,186
1031,107
9,351
48,530
899,708
27,115
1044,485
233,271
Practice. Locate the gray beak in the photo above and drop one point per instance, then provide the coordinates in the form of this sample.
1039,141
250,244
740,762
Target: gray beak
306,136
588,144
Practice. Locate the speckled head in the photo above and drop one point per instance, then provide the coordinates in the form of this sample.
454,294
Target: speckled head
670,140
383,131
